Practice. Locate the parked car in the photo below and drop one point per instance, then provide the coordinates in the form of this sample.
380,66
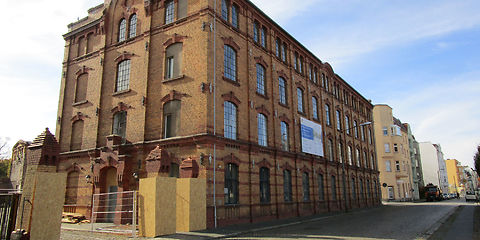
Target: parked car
470,196
446,196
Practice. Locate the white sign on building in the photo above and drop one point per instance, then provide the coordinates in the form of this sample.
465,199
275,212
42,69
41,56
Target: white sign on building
311,134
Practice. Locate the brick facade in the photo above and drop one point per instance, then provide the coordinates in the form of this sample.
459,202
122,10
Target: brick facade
146,152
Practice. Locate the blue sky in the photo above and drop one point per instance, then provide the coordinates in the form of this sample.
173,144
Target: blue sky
420,57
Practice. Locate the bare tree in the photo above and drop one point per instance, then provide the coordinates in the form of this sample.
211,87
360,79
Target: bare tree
476,159
4,148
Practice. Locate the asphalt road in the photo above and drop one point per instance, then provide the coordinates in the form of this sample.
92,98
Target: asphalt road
393,221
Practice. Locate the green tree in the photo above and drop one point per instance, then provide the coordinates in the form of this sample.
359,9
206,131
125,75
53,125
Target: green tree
476,159
4,167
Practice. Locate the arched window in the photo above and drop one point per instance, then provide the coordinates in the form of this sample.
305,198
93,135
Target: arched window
340,152
354,189
355,128
120,124
287,185
71,192
327,114
349,155
357,157
230,120
255,31
182,8
321,188
169,11
263,37
347,124
171,118
225,10
264,185
123,76
231,184
277,47
300,65
82,44
334,188
306,187
284,135
122,30
300,100
81,88
295,61
330,149
315,107
132,31
310,72
282,90
315,75
262,130
388,166
284,50
230,63
77,135
372,161
235,15
365,159
339,123
173,61
260,79
90,42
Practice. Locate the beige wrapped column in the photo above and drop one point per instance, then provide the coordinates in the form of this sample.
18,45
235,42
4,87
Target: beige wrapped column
157,206
191,204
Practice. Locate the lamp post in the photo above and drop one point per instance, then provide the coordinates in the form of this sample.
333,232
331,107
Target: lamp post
343,164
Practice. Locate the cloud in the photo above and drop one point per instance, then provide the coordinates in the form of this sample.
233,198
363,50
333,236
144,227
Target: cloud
446,113
283,10
375,26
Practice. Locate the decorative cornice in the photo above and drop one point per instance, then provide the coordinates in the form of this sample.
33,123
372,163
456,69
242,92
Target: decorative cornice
124,56
83,70
231,98
175,38
173,95
262,109
229,41
121,107
79,116
261,61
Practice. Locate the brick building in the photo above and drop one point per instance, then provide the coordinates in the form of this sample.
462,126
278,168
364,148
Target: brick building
145,93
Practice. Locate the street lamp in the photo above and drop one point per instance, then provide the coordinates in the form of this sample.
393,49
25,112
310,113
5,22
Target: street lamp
343,163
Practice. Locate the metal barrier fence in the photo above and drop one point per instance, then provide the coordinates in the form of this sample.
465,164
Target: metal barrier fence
9,199
115,212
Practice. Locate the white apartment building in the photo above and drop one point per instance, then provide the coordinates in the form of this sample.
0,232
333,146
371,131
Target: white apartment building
433,165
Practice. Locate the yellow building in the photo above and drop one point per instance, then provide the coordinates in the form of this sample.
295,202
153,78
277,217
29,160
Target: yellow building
393,154
454,172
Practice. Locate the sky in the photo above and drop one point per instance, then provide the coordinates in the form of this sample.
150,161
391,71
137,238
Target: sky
422,58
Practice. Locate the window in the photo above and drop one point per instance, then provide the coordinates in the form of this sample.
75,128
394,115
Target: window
90,42
230,120
340,152
122,29
123,76
171,118
230,63
365,160
334,188
355,128
169,67
81,46
397,166
339,121
262,129
321,190
314,107
182,10
395,147
361,188
347,124
284,132
306,187
77,135
362,131
120,124
300,65
260,79
225,10
277,47
385,131
295,61
287,185
357,157
323,80
315,76
255,31
300,100
235,15
173,58
81,88
231,184
370,136
327,85
368,187
327,113
310,74
372,161
169,12
354,189
174,170
282,90
263,37
264,185
330,149
387,147
349,155
132,31
284,49
388,166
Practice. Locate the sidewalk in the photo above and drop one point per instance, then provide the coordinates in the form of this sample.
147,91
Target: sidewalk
221,232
